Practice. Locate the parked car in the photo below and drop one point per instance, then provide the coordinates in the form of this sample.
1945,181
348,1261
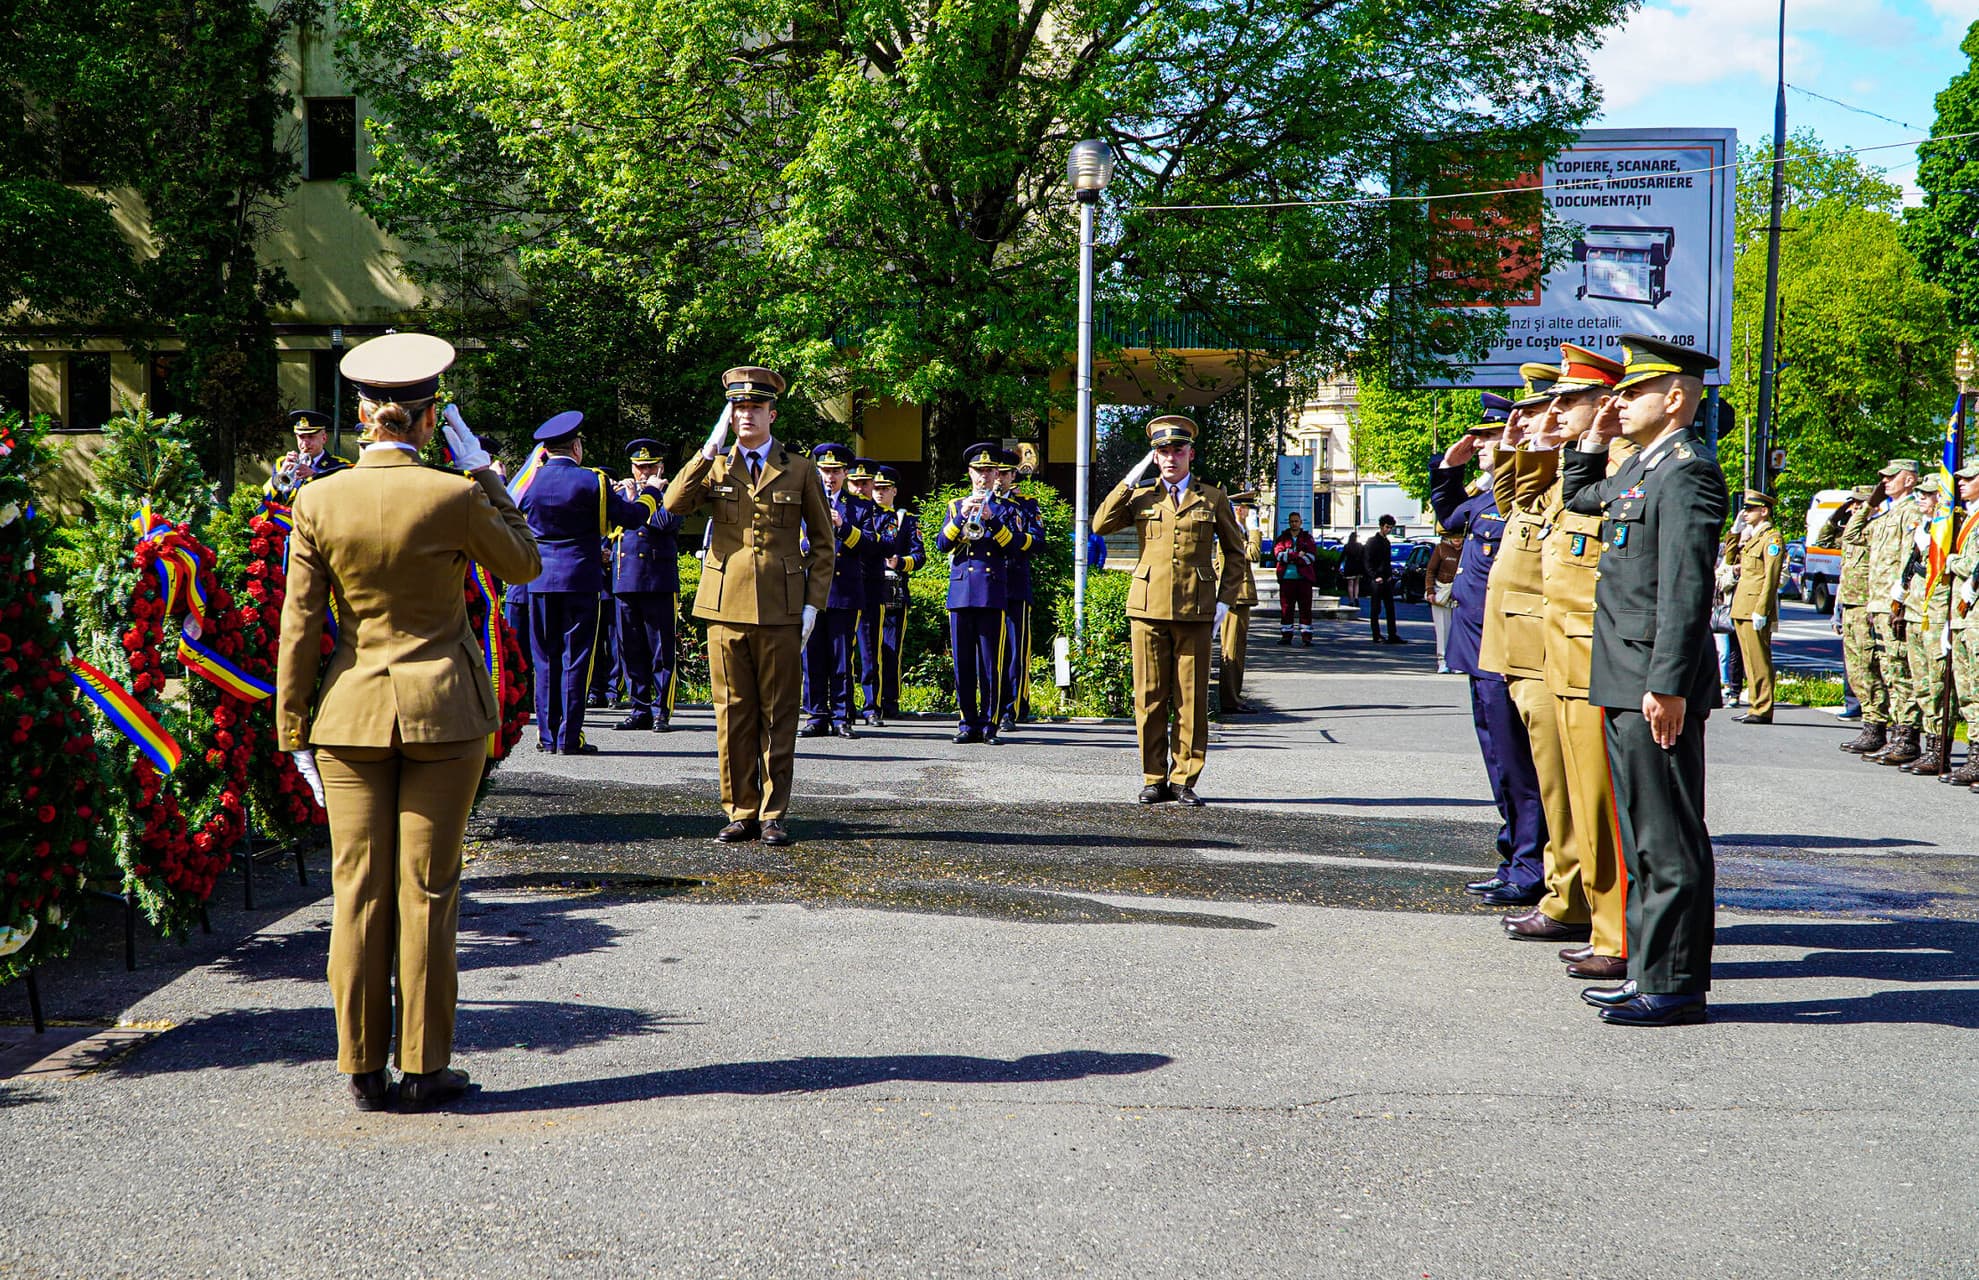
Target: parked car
1411,568
1793,577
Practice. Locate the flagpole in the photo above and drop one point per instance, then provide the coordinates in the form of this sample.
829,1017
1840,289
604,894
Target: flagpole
1963,367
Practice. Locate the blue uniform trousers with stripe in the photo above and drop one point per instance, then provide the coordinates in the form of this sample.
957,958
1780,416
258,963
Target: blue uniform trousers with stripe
646,646
976,637
828,668
563,633
1501,736
1014,685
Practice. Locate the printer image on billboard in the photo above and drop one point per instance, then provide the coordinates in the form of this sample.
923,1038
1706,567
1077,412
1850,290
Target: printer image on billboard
1625,264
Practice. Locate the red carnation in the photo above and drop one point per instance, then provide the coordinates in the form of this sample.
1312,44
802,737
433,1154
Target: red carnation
45,814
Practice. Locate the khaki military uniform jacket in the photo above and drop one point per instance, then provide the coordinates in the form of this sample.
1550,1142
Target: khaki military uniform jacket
1571,564
1514,641
389,539
1853,589
1926,601
1890,537
1175,576
1761,557
757,570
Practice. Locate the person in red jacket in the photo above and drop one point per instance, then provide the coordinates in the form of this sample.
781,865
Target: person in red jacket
1297,558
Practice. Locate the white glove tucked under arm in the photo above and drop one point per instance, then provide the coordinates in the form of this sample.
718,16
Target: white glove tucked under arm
468,454
718,435
1222,612
810,620
1134,476
305,764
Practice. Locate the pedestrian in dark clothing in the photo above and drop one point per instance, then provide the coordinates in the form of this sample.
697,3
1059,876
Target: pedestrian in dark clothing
1381,582
1351,562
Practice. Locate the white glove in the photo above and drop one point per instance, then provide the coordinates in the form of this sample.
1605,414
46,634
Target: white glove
810,620
1759,621
305,764
1222,612
1945,642
718,436
1968,591
468,454
1134,476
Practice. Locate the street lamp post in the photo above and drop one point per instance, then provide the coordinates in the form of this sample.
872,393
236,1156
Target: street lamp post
1763,430
1089,169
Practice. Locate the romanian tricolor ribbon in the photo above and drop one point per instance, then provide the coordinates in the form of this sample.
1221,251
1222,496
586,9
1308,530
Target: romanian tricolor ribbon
490,637
527,476
201,657
126,715
278,514
177,565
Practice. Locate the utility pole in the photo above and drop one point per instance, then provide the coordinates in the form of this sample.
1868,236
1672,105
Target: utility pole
1762,431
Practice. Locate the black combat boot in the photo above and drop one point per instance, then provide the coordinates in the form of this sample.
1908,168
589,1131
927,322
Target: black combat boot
1925,753
1902,750
1968,773
1936,760
1874,737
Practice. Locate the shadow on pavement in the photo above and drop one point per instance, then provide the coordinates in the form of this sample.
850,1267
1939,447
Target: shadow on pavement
1909,950
811,1075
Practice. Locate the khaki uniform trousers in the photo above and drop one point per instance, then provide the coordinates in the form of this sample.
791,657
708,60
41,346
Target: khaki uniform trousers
1564,900
1965,669
1603,881
1893,659
1927,672
757,674
1863,664
1171,664
397,815
1236,644
1756,647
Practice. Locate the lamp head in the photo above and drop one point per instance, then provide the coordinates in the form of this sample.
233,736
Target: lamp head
1089,168
1965,364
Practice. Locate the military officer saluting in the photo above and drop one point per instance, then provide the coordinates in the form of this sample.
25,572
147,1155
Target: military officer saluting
1654,668
762,588
1926,613
976,533
570,507
1892,528
1234,636
646,588
1028,537
1756,601
905,554
310,459
828,654
1175,603
862,479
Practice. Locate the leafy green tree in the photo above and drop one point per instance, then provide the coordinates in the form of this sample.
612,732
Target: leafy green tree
1941,231
1398,431
873,195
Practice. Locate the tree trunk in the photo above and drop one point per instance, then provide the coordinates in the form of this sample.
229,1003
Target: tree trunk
957,421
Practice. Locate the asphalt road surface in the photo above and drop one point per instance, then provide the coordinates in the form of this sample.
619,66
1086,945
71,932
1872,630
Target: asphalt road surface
991,1018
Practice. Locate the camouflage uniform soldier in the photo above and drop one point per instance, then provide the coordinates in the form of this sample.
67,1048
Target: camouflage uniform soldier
1890,535
1859,657
1927,600
1963,567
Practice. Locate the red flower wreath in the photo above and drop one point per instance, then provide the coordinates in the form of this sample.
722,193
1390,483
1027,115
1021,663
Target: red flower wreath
280,793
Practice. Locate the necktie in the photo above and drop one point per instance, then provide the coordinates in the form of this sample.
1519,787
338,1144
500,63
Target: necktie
755,467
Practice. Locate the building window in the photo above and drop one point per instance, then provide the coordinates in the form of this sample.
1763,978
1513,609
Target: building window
323,379
89,391
330,144
164,399
14,383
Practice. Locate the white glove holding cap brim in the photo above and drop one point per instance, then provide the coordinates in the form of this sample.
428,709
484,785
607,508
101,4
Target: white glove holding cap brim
305,764
468,454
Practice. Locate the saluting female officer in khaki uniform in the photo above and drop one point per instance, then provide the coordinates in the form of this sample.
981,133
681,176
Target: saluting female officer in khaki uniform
401,724
1175,602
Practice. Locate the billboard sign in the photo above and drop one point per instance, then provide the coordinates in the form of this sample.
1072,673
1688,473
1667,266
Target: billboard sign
1650,214
1294,489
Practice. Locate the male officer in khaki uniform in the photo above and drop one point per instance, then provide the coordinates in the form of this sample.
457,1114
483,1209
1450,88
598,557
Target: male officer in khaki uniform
1588,884
761,593
1234,638
402,722
1890,532
1756,602
1175,603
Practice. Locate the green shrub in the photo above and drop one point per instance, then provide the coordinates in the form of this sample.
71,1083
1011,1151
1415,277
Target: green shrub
1103,664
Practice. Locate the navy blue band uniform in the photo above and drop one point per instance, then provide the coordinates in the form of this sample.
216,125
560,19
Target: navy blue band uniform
285,480
1027,539
828,656
905,544
646,589
570,508
978,546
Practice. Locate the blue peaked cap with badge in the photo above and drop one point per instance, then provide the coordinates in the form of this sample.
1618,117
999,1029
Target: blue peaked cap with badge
1496,409
832,455
645,452
983,453
560,428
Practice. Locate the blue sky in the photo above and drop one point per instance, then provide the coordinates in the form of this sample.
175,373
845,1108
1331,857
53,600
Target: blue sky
1711,62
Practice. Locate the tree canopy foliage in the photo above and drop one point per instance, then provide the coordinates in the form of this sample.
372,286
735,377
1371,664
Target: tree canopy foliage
872,195
1944,231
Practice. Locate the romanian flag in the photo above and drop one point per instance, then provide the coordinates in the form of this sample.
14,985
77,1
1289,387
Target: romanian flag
126,715
527,476
1941,522
202,658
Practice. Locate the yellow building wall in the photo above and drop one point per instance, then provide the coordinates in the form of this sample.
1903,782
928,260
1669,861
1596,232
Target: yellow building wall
888,430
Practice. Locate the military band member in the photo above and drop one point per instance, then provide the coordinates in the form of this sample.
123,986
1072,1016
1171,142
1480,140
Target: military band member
1926,609
1234,636
1848,529
904,554
976,533
570,508
646,589
828,654
393,744
310,459
1028,528
762,589
1472,508
1756,602
1653,668
1891,527
1963,567
1175,603
862,479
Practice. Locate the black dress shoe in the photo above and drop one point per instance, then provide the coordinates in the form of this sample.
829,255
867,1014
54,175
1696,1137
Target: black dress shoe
872,718
547,748
845,730
741,831
775,833
1396,640
1155,793
966,734
815,731
1600,968
371,1090
1644,1010
1511,896
989,736
637,720
582,748
1605,997
1188,796
1492,885
421,1091
1006,725
662,724
1540,927
1749,718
